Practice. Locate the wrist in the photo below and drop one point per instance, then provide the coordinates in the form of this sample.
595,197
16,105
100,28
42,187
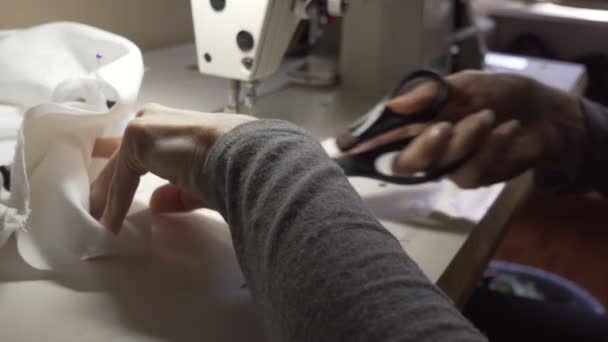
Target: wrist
565,131
594,164
568,143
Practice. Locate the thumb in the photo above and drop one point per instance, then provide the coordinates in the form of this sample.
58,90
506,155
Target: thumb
171,199
419,98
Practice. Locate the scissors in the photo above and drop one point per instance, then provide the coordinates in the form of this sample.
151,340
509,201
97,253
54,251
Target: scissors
381,120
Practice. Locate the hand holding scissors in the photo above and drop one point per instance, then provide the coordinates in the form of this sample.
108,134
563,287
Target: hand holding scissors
382,120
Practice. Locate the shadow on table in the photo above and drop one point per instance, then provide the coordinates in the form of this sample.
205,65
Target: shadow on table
190,288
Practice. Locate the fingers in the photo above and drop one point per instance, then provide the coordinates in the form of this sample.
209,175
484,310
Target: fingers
100,188
489,165
105,147
416,100
171,199
171,143
463,89
443,145
118,181
470,92
425,151
408,131
121,191
468,136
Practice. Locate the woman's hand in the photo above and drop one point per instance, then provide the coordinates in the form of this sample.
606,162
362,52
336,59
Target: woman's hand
528,125
172,144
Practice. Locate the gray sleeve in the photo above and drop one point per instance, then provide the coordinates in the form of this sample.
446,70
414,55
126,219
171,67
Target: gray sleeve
318,264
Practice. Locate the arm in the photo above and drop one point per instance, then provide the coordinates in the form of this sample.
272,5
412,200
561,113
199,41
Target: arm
321,267
318,263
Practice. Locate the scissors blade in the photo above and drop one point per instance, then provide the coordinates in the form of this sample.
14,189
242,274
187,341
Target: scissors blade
353,136
369,119
332,149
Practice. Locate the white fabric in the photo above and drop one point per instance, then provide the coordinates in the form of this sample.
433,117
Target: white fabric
421,202
51,73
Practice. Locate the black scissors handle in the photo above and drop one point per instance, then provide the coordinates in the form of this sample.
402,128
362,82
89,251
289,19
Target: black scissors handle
364,165
379,122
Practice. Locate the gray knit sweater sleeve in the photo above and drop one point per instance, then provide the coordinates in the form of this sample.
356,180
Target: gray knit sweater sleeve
317,262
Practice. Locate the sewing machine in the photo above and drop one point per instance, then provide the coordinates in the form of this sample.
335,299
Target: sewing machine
246,41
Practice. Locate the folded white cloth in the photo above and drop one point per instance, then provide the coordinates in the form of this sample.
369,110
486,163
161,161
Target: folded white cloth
74,83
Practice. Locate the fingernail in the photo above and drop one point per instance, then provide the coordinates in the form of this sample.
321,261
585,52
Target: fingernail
488,117
393,101
440,129
512,125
